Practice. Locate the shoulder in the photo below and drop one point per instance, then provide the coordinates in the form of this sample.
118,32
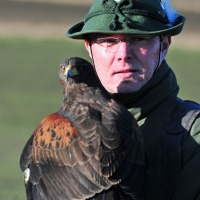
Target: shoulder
190,111
187,112
182,116
191,122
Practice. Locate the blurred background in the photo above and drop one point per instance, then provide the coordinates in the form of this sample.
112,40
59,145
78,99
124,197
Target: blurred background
33,43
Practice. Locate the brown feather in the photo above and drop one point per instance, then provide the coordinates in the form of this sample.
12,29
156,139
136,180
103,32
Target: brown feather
89,148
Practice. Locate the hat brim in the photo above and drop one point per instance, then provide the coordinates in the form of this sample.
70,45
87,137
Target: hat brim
149,26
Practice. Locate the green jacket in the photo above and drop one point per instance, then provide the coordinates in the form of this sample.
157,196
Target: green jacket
150,106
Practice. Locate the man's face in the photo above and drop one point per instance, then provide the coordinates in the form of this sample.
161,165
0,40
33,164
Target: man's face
129,66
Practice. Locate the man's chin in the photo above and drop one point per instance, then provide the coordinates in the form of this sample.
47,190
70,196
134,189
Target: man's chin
127,87
127,80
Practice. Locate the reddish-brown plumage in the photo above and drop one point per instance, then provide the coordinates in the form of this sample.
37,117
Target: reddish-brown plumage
53,130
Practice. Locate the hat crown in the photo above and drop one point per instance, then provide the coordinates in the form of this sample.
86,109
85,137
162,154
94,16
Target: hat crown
129,17
122,9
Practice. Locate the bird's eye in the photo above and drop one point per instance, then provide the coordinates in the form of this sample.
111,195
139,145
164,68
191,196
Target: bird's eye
63,68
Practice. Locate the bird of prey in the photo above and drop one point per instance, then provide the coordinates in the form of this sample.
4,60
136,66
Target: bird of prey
91,148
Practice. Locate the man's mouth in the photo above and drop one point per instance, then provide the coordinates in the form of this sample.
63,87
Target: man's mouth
126,74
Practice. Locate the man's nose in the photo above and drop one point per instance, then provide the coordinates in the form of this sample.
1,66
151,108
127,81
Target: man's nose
125,51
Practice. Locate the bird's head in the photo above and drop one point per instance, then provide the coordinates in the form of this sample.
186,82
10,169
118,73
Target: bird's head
75,68
75,71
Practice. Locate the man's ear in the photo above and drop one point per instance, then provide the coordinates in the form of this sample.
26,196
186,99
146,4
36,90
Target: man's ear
165,45
88,47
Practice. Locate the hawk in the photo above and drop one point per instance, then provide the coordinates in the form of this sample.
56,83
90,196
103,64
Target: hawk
91,148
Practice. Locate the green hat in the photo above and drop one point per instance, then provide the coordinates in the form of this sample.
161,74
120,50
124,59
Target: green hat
129,17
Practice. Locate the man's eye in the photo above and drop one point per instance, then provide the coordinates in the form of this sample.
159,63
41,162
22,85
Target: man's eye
107,41
135,39
111,40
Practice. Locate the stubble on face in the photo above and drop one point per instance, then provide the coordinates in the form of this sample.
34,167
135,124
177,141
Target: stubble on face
143,63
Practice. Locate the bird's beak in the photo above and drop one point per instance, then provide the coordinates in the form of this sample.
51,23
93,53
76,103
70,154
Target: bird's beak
70,71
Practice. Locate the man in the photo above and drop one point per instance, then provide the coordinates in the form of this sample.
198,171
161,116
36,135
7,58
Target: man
128,41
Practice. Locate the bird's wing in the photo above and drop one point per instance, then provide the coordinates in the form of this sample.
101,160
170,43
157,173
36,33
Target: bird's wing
58,159
119,150
76,163
123,156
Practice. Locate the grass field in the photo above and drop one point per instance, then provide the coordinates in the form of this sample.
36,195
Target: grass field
30,90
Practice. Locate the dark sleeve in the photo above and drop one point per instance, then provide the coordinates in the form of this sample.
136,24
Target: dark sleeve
188,185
